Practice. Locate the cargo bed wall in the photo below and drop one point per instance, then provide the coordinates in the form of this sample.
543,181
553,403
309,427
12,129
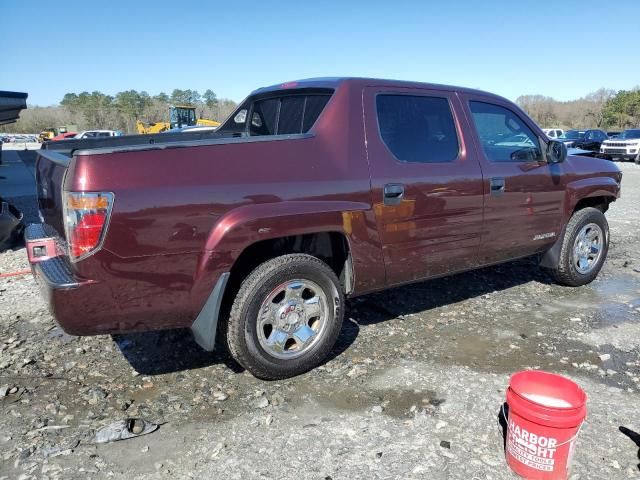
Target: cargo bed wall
128,141
50,171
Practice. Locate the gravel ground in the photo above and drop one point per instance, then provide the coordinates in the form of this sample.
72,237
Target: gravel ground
413,389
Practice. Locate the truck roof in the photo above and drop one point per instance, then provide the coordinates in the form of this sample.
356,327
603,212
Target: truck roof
97,146
335,82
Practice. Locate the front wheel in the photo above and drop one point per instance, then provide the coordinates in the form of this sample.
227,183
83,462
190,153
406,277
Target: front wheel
584,248
286,317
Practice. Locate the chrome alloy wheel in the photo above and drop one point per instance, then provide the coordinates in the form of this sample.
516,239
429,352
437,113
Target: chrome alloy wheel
587,248
292,318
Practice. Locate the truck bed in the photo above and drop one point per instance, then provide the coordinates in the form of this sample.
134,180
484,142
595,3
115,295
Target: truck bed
70,146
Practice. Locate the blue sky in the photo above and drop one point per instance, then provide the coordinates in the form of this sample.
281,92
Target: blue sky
558,48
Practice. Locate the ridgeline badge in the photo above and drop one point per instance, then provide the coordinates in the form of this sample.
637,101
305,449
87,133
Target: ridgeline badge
542,236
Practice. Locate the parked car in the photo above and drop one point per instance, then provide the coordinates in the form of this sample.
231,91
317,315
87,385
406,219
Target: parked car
625,147
64,136
584,139
97,134
311,191
553,132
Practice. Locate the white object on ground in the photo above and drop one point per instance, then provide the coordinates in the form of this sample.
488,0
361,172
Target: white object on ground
547,401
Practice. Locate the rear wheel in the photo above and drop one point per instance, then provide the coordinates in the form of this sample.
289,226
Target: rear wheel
286,317
584,248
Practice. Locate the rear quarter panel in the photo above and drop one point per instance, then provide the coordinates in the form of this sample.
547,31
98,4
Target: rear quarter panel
181,216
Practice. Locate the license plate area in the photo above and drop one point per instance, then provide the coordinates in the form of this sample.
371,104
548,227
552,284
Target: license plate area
41,249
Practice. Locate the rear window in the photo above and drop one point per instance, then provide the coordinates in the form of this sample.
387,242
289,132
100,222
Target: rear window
418,129
277,115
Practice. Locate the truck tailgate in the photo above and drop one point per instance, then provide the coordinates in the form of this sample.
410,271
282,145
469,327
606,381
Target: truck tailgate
51,168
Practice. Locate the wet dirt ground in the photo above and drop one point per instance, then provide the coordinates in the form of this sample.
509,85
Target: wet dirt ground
412,390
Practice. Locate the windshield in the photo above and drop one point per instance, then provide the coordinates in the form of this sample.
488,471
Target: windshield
629,134
573,134
182,116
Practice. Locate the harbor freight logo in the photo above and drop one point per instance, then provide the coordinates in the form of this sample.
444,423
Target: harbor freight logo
532,450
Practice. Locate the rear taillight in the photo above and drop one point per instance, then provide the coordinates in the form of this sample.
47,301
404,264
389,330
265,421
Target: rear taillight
86,218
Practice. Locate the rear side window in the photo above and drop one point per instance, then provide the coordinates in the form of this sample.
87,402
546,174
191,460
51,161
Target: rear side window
504,135
265,116
291,112
286,115
277,113
418,129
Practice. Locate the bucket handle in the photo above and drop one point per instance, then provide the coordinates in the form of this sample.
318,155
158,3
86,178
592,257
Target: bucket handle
574,437
504,415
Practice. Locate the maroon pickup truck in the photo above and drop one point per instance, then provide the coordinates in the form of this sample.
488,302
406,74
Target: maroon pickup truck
310,192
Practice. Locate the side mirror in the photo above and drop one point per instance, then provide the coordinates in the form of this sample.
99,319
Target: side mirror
556,151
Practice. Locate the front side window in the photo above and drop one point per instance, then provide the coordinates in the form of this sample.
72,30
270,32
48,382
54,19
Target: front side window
417,129
503,134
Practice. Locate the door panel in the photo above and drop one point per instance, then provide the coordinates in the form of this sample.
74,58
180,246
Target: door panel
429,215
525,217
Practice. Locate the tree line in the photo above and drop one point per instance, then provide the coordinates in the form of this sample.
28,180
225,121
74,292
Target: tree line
97,110
604,109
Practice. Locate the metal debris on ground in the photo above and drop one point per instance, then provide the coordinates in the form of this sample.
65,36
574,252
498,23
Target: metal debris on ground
124,429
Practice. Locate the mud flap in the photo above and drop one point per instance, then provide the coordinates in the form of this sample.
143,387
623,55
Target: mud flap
206,324
551,257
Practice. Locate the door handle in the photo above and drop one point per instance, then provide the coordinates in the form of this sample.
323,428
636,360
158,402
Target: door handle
393,193
496,185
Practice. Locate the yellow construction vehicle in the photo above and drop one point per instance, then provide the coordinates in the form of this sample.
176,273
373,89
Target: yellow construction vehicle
152,127
49,133
179,116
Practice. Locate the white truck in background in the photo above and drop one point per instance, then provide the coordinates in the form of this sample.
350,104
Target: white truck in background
97,134
625,146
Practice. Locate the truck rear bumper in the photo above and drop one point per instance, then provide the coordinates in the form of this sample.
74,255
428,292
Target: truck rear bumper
59,286
66,296
107,294
54,274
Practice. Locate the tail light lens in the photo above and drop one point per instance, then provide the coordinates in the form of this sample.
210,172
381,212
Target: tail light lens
86,219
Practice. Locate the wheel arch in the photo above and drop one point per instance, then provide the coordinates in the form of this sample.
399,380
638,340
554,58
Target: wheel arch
247,228
596,192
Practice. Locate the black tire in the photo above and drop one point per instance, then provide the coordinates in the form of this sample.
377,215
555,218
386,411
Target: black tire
637,159
566,272
241,329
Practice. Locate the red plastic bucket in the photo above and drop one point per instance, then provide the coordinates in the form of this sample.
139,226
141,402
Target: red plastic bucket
546,412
